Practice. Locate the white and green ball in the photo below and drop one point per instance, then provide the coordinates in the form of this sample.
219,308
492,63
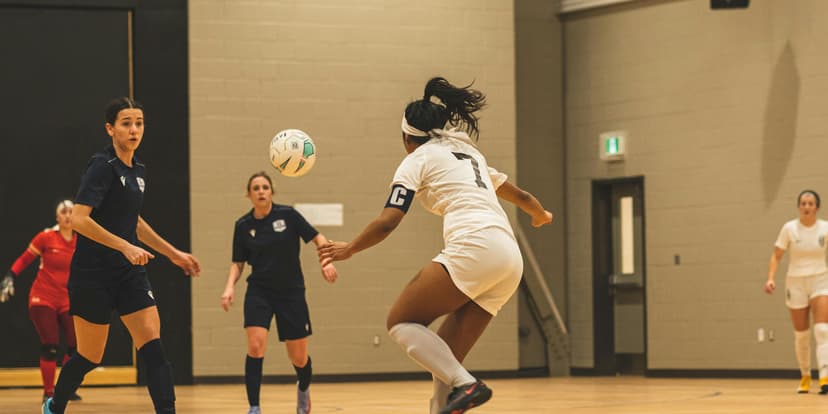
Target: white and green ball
292,152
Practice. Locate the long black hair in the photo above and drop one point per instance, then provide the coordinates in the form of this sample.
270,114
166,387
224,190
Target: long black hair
117,105
457,107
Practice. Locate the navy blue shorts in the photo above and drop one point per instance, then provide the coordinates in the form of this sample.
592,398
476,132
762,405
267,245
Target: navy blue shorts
289,307
95,302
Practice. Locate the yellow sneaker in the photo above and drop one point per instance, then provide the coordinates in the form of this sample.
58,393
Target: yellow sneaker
823,386
805,384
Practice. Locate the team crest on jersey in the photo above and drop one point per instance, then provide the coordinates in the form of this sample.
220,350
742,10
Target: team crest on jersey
252,232
141,184
279,226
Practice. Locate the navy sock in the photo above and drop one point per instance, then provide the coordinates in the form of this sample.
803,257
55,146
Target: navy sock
304,375
159,377
253,379
71,377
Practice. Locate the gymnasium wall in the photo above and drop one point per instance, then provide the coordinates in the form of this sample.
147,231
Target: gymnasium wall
540,153
725,114
342,70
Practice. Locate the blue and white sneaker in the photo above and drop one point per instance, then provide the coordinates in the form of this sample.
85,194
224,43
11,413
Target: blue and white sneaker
254,409
303,401
47,406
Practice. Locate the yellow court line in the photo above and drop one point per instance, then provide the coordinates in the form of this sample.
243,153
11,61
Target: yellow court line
21,377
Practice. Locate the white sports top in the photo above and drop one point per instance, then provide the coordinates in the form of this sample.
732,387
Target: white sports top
806,246
450,177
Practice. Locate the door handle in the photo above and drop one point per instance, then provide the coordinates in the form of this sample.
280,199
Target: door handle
626,280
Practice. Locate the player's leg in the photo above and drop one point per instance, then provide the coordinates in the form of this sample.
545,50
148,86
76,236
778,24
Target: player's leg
139,313
796,299
461,330
819,308
256,345
258,314
91,338
294,327
429,295
144,327
68,328
802,347
297,350
91,308
45,320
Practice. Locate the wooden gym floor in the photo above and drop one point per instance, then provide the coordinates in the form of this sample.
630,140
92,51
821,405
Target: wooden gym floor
580,395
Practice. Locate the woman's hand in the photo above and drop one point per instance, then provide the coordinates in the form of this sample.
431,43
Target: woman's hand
333,252
136,255
227,298
770,286
187,262
329,273
545,218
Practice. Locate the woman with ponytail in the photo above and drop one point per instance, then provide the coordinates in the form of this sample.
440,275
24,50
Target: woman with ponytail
480,266
108,270
48,296
806,285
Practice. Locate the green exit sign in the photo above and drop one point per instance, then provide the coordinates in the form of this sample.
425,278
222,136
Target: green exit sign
612,145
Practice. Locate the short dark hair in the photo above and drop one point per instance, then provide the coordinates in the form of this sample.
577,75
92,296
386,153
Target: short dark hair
257,175
804,192
116,105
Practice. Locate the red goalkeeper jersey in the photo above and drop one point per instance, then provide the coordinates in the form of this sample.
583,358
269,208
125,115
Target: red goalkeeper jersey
49,287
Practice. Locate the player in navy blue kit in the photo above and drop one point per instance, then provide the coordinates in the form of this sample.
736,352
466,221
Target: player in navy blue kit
107,271
267,237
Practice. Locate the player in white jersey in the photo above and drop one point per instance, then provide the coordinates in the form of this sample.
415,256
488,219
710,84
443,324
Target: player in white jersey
480,266
806,285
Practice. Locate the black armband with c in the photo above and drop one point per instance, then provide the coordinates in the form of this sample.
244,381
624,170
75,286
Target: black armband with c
400,198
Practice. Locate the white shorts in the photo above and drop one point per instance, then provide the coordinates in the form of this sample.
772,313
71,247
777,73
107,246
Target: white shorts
799,290
485,265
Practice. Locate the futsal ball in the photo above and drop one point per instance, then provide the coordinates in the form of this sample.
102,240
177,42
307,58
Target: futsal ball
292,152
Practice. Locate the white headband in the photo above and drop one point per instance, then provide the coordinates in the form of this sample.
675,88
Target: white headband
410,130
64,204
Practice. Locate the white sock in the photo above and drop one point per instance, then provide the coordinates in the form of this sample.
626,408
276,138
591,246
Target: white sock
802,345
821,335
439,396
431,352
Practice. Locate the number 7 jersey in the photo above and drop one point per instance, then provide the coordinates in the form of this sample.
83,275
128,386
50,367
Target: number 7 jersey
451,178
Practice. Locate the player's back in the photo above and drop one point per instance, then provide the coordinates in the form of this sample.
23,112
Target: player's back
457,184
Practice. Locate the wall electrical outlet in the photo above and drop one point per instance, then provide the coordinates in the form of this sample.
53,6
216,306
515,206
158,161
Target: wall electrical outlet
760,335
376,340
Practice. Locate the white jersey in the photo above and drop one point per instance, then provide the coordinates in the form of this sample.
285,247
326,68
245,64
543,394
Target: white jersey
806,246
451,178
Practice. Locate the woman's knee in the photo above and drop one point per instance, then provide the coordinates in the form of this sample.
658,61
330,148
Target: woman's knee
256,344
297,351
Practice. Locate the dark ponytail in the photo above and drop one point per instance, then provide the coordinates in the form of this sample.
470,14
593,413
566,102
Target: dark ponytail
457,107
117,105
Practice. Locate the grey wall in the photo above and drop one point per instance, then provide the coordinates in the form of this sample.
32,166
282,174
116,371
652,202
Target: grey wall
725,113
540,149
342,71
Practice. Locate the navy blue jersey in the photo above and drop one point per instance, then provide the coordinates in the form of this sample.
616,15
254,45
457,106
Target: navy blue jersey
271,246
115,192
